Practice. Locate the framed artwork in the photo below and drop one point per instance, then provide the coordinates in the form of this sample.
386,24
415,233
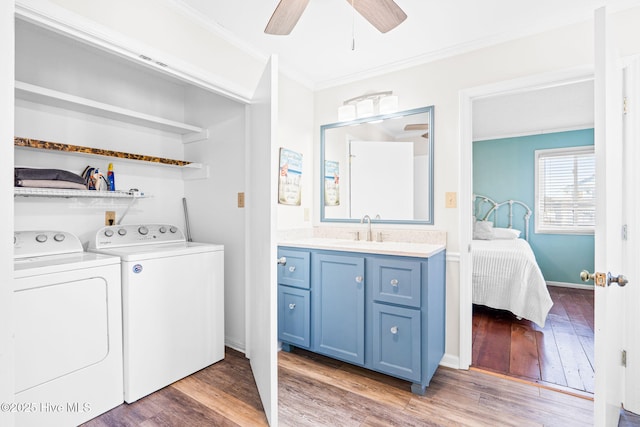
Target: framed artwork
289,192
331,183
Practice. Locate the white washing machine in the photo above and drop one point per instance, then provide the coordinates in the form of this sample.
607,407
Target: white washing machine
172,303
67,328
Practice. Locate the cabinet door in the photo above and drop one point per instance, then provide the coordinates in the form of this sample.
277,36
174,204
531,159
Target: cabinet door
294,270
294,316
396,341
338,306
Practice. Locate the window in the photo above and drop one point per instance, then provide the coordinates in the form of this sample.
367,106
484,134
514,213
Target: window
565,190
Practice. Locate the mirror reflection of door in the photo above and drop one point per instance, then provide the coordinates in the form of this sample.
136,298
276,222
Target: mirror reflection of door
381,168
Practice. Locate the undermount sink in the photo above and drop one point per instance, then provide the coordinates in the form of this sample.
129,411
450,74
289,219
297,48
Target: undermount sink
388,248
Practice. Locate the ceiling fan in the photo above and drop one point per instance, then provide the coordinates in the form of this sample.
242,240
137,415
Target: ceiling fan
418,126
385,15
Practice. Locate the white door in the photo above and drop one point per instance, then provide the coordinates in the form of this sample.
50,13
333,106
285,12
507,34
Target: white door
381,167
631,180
261,197
609,300
7,77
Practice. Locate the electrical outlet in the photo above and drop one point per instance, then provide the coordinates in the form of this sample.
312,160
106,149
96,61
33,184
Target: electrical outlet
110,218
451,200
307,214
241,200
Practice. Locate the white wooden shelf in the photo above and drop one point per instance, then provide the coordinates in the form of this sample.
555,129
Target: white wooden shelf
68,193
42,95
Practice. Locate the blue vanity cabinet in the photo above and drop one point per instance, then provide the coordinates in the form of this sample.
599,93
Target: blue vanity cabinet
338,287
294,298
383,312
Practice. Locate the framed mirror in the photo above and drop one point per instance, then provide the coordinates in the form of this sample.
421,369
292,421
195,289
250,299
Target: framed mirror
380,166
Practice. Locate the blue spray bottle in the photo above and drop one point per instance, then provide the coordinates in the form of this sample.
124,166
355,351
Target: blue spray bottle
111,178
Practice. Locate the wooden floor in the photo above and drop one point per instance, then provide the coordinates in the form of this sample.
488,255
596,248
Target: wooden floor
319,391
560,354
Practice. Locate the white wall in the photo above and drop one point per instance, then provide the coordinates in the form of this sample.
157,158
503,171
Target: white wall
6,200
214,214
439,84
295,132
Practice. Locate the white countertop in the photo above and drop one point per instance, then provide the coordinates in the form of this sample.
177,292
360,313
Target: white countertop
422,250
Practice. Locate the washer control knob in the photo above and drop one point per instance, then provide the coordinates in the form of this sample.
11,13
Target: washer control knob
143,230
41,238
59,237
122,231
173,229
162,229
108,232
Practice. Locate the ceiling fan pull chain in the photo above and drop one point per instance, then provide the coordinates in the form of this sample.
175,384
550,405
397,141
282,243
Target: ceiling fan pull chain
353,26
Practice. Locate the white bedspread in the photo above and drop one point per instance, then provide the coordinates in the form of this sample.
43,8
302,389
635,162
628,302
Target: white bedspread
506,276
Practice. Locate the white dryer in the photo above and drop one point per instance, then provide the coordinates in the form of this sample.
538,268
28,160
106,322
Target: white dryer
172,301
68,330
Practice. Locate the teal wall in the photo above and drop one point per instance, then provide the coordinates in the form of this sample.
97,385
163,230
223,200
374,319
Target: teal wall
504,169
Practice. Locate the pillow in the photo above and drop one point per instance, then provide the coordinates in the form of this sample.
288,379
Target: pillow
505,233
483,230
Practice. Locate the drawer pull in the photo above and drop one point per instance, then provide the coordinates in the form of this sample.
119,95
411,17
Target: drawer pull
359,279
394,330
282,260
292,268
292,306
394,283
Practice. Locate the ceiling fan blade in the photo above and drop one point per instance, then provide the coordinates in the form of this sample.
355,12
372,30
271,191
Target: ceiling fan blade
285,17
385,15
417,126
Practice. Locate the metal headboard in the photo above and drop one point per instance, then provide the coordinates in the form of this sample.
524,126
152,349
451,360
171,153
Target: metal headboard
484,207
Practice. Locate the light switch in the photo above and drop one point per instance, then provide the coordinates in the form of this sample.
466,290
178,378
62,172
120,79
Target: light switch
241,200
451,200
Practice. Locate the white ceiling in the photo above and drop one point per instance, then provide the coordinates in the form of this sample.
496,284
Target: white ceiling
318,51
553,109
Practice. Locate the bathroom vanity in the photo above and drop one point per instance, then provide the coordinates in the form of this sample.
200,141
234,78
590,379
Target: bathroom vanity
379,305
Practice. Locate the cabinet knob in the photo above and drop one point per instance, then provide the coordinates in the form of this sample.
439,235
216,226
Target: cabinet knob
394,330
292,268
292,306
394,282
282,260
359,279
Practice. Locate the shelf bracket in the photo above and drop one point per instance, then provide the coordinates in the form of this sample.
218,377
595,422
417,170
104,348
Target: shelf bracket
193,173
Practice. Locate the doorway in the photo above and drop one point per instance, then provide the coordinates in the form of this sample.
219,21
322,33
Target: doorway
474,128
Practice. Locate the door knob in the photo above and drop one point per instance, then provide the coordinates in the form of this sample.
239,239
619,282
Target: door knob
282,260
621,280
601,279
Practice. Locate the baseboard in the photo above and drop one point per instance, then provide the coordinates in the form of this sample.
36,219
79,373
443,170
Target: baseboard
235,345
585,286
450,361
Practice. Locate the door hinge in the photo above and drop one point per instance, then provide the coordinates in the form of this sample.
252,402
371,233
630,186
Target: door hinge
624,358
625,109
624,232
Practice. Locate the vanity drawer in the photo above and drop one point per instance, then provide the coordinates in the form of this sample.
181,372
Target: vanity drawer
295,270
396,281
396,341
294,316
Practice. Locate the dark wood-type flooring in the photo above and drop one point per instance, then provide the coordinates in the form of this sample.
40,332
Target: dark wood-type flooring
560,354
319,391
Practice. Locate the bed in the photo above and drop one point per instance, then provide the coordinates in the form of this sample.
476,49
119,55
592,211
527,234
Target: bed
506,275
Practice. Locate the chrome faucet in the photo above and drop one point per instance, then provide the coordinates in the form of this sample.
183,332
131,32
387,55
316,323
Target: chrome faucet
368,219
